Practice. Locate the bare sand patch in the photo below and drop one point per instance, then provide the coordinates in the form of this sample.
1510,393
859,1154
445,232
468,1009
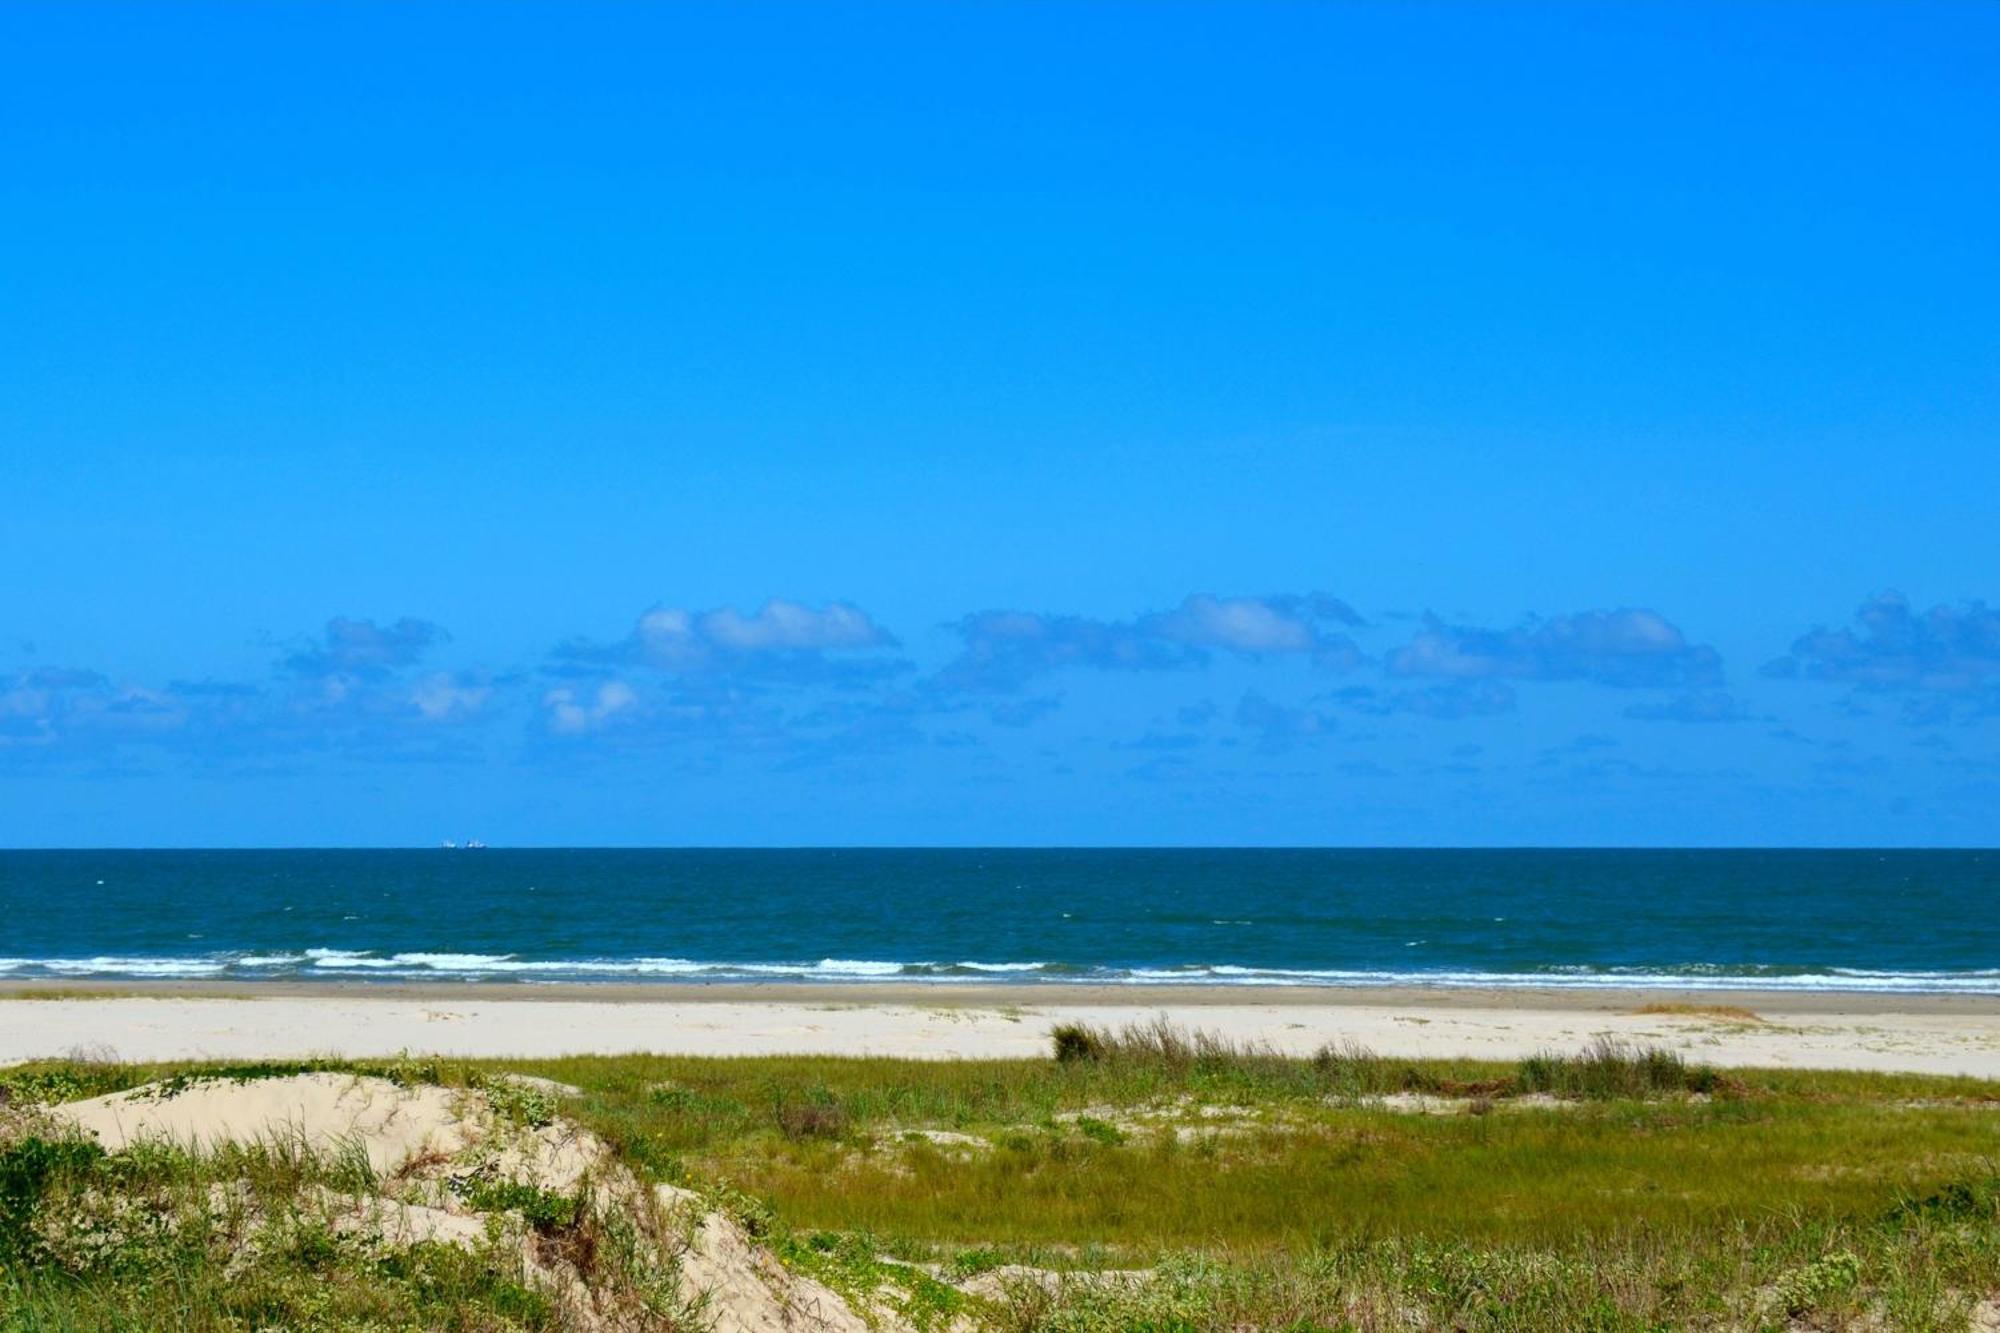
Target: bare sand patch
997,1284
324,1113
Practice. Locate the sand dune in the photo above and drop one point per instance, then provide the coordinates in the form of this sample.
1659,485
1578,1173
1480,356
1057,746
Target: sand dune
413,1134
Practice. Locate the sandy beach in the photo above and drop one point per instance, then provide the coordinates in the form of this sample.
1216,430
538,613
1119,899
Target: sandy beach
1907,1033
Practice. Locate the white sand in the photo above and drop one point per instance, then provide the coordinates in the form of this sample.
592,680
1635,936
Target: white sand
323,1113
1831,1032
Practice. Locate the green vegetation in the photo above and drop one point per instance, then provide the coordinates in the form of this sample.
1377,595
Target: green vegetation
159,1239
1611,1189
522,1103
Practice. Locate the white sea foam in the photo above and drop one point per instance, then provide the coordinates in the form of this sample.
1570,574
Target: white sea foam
453,962
130,967
416,964
337,959
1865,972
1981,981
861,967
508,963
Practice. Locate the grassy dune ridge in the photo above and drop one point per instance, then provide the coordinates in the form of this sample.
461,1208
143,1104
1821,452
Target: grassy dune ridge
1607,1189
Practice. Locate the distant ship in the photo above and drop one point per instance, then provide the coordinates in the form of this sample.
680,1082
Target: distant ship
469,845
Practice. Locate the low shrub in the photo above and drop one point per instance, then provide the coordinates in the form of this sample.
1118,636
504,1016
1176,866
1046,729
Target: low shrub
1161,1044
1608,1069
545,1210
28,1168
1808,1287
1077,1042
815,1118
521,1103
66,1082
1101,1131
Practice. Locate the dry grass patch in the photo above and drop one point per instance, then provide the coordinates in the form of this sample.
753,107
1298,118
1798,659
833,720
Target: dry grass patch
1721,1013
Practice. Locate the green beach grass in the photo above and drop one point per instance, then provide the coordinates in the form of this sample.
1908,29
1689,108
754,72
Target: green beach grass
1609,1189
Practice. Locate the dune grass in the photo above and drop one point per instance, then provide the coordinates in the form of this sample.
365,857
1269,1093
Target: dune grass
162,1239
1725,1013
1295,1159
1611,1188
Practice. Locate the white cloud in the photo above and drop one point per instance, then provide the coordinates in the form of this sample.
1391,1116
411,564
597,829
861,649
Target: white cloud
1003,649
1241,624
789,626
781,640
1625,647
572,715
442,697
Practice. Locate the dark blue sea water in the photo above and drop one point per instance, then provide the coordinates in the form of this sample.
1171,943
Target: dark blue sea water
1892,920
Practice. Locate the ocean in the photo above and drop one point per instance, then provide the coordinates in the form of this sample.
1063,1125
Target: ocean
1915,921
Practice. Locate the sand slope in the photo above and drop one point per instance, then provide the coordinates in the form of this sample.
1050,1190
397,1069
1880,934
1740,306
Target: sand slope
414,1137
324,1113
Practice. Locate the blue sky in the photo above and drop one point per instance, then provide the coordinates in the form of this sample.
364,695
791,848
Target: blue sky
1074,424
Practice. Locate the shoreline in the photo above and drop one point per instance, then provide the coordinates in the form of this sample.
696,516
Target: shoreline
1035,995
166,1021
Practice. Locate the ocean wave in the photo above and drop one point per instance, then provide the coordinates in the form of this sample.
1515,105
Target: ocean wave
453,962
128,967
336,959
365,964
851,967
1865,972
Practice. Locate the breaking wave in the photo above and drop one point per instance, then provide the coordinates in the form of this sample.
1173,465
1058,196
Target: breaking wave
368,964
